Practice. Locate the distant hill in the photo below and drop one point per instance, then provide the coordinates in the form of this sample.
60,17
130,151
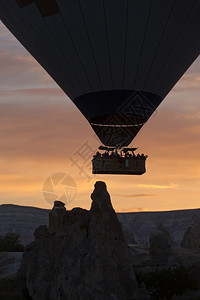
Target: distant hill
24,220
140,224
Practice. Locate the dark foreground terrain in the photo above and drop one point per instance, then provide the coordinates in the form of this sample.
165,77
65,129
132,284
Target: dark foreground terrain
100,255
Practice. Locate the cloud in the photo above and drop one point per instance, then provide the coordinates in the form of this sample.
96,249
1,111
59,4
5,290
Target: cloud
40,130
152,186
32,92
188,82
135,195
134,209
25,71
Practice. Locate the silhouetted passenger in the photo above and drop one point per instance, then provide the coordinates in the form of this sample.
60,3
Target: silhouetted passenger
117,154
112,154
105,154
97,154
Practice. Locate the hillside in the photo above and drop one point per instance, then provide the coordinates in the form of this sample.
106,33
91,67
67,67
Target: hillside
24,220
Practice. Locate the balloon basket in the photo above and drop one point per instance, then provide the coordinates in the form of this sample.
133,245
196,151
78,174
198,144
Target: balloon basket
124,163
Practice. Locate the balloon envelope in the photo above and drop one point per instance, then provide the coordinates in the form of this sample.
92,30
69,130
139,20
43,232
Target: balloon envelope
116,59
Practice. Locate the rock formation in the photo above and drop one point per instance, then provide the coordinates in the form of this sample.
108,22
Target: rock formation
128,235
82,255
191,238
161,245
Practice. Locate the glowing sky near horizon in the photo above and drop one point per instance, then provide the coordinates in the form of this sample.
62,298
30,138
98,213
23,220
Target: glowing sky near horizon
41,130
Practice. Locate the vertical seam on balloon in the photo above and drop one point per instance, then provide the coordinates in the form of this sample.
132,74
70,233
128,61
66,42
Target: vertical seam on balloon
189,42
107,39
141,51
154,58
161,86
47,49
5,7
98,75
44,46
61,50
125,44
76,51
162,68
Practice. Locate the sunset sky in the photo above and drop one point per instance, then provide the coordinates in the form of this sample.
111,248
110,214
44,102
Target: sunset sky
41,132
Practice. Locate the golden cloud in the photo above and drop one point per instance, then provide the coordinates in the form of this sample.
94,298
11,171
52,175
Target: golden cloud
154,186
134,209
135,195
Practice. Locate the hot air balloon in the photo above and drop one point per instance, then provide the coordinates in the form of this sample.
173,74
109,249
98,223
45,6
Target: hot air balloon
115,59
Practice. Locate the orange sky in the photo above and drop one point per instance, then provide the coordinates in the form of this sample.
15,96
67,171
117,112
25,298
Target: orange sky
41,130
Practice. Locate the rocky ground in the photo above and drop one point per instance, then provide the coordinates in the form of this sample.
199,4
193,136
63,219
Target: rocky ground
9,263
13,287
